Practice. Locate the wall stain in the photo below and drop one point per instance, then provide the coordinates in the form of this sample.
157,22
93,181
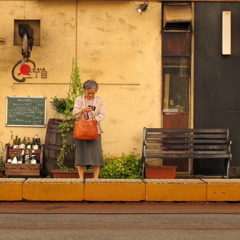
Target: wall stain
95,59
132,27
102,29
114,121
71,25
54,23
82,10
108,15
100,19
143,98
94,53
62,14
121,20
137,139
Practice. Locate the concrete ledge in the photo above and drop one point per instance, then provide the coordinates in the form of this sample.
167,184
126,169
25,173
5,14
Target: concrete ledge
223,189
53,189
66,189
114,190
175,190
11,189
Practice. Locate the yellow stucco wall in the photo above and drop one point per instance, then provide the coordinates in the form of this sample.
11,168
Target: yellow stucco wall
115,45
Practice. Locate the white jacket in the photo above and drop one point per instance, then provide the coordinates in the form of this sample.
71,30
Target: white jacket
98,114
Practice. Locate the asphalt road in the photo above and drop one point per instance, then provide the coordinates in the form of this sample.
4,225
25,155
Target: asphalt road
112,221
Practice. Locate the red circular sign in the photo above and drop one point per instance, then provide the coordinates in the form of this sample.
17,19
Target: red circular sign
24,69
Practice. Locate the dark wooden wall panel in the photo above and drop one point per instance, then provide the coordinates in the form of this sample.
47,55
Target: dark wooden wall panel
175,120
216,78
176,44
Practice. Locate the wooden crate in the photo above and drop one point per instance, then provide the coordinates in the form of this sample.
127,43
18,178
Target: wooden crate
26,170
22,169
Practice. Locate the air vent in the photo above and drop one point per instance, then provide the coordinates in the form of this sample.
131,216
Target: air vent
177,17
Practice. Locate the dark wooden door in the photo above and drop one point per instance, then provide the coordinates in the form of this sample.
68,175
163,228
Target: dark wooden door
176,72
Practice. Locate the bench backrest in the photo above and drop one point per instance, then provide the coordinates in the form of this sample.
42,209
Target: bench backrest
199,141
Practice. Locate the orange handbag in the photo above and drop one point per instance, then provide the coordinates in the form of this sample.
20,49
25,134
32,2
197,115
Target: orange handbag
85,130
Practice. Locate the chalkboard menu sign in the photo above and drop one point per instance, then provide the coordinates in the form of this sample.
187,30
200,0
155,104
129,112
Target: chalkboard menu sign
26,111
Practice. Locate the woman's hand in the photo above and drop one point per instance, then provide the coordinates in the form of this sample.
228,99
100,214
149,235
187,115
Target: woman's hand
87,109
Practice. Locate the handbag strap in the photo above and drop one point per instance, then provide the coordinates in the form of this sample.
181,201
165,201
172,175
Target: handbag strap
83,118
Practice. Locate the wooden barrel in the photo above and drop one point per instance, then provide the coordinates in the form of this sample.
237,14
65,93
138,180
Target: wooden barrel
53,144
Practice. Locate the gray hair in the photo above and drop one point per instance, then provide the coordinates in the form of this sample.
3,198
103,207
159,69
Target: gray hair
90,84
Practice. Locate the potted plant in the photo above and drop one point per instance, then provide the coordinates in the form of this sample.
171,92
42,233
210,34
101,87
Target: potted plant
66,105
71,173
160,172
59,105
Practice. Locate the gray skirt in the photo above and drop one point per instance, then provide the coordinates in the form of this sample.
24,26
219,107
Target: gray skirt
89,153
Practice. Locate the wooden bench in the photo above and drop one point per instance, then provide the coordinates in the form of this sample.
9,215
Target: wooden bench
162,143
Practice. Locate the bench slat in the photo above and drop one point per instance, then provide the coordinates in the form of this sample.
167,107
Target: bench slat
220,130
186,152
187,141
186,136
200,156
164,147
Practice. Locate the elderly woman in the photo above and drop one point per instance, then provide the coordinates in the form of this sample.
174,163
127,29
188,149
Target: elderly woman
89,152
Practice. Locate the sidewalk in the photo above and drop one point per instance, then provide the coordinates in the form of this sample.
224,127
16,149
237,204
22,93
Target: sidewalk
166,190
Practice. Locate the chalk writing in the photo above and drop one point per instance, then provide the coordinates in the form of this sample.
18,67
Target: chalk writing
26,111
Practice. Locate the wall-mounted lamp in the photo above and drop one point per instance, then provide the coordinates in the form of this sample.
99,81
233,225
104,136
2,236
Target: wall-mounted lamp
142,7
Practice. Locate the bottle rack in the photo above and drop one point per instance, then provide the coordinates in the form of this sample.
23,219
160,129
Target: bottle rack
26,170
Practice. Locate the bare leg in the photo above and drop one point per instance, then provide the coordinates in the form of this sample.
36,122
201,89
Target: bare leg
81,171
96,171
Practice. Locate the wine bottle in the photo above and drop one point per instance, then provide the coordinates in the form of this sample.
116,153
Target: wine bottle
23,143
15,143
35,143
28,143
33,158
39,142
27,157
11,143
15,159
9,160
21,158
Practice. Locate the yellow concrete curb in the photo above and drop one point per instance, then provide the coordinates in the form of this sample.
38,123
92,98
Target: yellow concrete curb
65,189
53,189
175,190
223,189
11,189
114,190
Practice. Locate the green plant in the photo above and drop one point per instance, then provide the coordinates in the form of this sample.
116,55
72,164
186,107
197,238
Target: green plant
66,126
58,104
2,168
127,166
